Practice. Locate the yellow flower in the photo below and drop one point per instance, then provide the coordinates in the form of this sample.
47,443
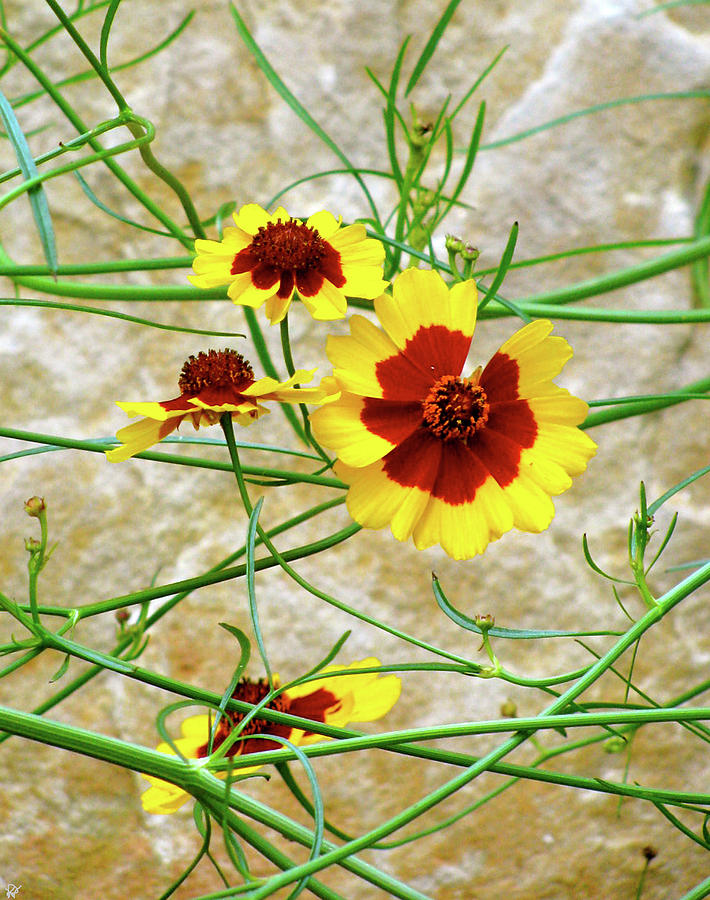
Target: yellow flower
266,259
442,458
334,700
210,384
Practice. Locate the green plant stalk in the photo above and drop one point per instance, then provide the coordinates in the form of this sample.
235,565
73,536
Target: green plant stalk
674,596
98,268
81,128
699,249
218,465
641,407
549,304
100,155
123,107
196,779
272,853
126,642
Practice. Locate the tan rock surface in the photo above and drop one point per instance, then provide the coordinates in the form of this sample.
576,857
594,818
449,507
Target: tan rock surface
74,828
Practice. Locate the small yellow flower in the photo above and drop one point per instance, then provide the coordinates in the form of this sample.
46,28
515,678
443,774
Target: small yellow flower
440,457
266,259
210,384
335,700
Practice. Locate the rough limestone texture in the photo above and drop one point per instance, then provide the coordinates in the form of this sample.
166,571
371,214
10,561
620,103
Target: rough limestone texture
72,827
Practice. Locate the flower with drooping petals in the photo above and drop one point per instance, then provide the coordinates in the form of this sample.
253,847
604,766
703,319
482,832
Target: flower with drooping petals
210,384
268,258
333,700
442,458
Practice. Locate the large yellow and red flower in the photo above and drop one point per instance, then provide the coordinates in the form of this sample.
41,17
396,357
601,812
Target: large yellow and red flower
211,384
268,258
442,458
333,700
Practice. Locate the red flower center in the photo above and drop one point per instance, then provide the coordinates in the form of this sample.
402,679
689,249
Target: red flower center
288,245
249,692
215,369
455,409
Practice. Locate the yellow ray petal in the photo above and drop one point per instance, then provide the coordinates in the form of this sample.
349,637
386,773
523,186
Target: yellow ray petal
339,427
277,307
532,508
466,529
325,224
420,298
569,448
244,292
377,700
328,304
355,357
363,281
372,499
251,218
140,436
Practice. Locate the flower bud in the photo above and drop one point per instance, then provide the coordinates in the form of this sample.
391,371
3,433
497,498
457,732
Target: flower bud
484,622
614,744
508,709
469,253
454,244
35,506
32,545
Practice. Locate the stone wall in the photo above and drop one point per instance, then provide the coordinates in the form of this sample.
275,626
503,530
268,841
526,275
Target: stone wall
72,828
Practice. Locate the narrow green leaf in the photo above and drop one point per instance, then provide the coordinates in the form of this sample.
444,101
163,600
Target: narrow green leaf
300,110
515,634
500,275
391,110
597,107
657,504
470,159
431,45
61,670
113,314
484,74
37,196
114,215
700,269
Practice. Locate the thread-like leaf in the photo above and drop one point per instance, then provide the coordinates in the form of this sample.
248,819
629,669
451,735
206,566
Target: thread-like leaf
431,45
38,198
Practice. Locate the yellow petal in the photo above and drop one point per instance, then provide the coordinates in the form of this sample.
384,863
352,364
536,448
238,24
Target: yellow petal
138,437
464,530
339,427
532,508
161,800
355,357
569,448
277,307
325,224
420,298
251,218
328,304
244,292
373,499
377,700
280,215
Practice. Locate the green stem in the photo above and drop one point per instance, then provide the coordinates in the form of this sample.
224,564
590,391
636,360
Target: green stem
81,128
145,152
674,596
641,407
